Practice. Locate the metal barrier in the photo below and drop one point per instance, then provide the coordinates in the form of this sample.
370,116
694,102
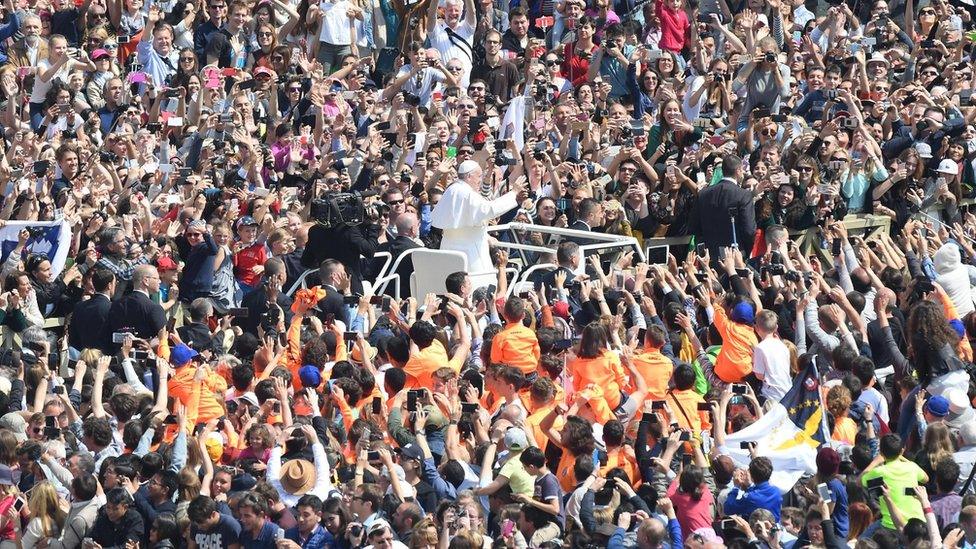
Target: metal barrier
300,283
808,241
527,273
600,241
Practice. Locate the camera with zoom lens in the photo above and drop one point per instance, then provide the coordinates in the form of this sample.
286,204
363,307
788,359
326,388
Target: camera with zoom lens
411,99
377,210
335,209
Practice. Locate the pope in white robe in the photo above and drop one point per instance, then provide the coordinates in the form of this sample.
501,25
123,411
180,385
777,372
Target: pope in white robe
463,215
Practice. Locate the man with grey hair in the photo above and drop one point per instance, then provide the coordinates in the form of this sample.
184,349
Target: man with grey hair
966,458
113,244
454,37
464,214
54,458
30,49
137,313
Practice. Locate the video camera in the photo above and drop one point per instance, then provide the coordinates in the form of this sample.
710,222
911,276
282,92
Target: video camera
347,209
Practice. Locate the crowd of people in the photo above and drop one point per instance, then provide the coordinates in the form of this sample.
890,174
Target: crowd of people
201,347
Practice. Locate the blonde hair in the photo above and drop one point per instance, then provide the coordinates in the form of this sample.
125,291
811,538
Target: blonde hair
937,443
467,539
90,357
45,507
838,400
420,536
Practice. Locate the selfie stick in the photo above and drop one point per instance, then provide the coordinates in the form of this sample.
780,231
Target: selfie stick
937,220
735,243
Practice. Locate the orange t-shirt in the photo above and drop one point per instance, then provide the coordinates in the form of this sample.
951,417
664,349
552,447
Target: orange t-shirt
421,366
624,458
734,361
604,371
564,471
516,346
656,369
183,387
534,422
688,401
845,430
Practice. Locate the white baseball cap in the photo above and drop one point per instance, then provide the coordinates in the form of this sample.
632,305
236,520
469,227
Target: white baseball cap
948,166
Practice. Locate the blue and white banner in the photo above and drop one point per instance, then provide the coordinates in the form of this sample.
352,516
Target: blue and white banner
50,238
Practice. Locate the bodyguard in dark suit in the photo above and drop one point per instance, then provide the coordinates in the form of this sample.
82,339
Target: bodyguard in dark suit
196,333
136,313
711,218
345,244
335,282
87,324
408,229
271,288
568,258
589,216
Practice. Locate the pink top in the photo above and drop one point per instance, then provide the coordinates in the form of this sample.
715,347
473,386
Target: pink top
247,453
691,514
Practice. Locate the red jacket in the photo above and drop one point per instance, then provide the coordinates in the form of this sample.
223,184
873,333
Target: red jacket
674,28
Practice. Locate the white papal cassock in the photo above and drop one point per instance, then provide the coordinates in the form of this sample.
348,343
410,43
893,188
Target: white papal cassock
463,214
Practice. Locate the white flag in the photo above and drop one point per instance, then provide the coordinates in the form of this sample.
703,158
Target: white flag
50,238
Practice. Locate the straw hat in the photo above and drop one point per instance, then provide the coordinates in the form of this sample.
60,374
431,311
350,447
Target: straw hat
297,476
357,355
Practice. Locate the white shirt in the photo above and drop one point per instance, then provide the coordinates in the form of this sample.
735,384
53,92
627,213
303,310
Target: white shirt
335,23
323,487
692,84
870,395
423,83
771,359
965,457
451,48
40,89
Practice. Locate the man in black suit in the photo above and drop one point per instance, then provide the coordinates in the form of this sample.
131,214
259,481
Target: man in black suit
718,205
86,330
408,229
344,243
568,257
269,291
335,282
196,333
137,313
590,215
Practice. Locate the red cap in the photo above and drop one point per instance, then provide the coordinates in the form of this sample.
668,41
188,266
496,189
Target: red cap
165,263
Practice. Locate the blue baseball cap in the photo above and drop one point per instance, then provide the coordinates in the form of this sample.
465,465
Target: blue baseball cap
247,221
938,406
181,354
744,313
310,376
